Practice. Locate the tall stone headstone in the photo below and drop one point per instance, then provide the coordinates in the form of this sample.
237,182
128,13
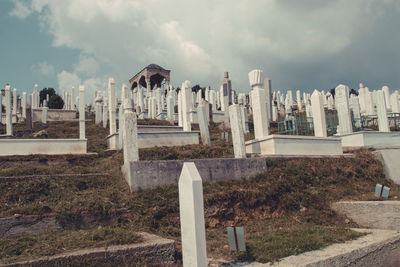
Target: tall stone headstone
394,102
259,107
170,109
386,93
227,90
130,132
343,109
29,119
180,110
186,106
44,114
268,96
112,107
120,124
235,116
9,126
82,131
23,104
1,108
245,119
318,112
105,112
203,125
355,106
98,108
14,103
299,101
381,110
191,207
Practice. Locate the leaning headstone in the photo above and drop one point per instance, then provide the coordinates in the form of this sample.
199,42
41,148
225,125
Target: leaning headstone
381,110
343,109
318,113
235,117
130,142
9,127
191,209
203,125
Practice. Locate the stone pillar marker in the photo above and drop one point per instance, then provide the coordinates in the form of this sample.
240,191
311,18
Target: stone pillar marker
180,112
394,102
355,106
23,105
44,114
98,108
1,109
342,105
245,119
186,105
82,112
203,125
120,124
9,128
381,111
14,103
318,112
112,106
105,112
130,142
235,116
191,209
260,118
170,109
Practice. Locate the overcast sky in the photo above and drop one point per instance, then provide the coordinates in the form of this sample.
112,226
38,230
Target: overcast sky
306,45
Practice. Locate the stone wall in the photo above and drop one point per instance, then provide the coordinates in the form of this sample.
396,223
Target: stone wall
152,174
54,115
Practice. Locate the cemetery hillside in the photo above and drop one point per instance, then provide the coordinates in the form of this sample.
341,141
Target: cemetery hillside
65,204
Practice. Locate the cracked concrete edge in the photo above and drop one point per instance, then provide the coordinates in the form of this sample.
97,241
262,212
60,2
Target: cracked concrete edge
372,249
149,242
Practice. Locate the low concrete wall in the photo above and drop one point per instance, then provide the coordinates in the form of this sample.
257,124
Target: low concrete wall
378,248
9,147
152,139
370,139
390,159
295,145
153,251
372,214
54,115
156,128
152,174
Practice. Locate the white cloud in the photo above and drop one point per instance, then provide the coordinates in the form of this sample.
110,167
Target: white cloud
21,9
87,65
43,68
199,40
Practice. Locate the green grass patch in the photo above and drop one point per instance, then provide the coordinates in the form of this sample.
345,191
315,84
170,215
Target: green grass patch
51,243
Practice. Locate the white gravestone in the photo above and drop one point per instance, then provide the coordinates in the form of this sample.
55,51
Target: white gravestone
343,109
191,209
82,133
105,112
203,125
355,106
381,110
130,143
186,106
235,116
318,112
23,105
112,107
9,127
260,118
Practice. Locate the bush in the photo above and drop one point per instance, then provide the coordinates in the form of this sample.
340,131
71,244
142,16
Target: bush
56,102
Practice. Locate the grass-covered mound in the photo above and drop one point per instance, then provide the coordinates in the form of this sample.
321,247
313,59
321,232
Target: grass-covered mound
284,210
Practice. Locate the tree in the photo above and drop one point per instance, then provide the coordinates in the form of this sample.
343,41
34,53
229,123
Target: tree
332,91
44,92
354,92
56,102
